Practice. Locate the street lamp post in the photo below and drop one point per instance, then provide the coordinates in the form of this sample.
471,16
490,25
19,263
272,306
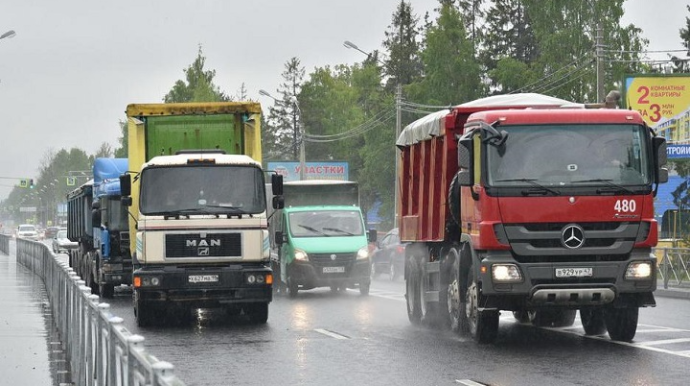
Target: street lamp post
398,129
296,127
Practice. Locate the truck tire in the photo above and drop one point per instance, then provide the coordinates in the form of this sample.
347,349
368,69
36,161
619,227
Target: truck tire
593,321
552,317
453,298
482,325
107,291
521,316
621,323
145,313
412,284
257,312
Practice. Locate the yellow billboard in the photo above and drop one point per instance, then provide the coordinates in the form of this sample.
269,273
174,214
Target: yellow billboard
659,98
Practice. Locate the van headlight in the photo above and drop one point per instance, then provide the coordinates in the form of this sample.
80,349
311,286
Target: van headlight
639,270
301,255
363,253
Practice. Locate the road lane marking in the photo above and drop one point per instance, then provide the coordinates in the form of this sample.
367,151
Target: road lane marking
666,341
469,382
330,333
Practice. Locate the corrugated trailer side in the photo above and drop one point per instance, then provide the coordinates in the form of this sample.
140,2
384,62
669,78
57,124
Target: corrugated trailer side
428,163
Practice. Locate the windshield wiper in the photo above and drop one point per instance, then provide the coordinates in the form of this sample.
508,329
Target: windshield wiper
229,207
310,229
339,230
612,188
540,189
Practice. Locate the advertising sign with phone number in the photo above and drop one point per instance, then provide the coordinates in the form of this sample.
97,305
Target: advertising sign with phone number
659,98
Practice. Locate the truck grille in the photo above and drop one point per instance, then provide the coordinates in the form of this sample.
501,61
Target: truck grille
608,241
212,245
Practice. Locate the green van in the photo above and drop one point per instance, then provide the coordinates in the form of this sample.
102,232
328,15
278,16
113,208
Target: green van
321,245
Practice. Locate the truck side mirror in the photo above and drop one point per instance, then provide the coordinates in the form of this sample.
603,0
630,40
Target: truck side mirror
96,214
465,152
279,237
277,184
125,185
278,202
659,144
372,236
126,201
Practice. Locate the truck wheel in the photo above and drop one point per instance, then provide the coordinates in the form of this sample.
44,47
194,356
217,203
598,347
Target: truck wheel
144,312
521,316
482,325
412,284
257,312
364,287
621,323
453,298
542,318
107,291
593,321
565,318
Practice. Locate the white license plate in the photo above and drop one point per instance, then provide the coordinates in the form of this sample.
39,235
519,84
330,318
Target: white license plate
203,278
573,272
333,269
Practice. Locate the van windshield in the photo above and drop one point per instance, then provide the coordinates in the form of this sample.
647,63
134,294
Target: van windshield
328,223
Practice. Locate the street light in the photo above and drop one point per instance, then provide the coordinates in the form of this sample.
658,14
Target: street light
398,128
302,155
8,34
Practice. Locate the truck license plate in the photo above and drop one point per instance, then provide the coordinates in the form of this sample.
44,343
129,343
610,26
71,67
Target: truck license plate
203,278
333,269
573,272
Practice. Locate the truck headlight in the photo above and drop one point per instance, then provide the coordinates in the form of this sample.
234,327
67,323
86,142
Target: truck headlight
506,273
146,281
363,253
301,255
639,270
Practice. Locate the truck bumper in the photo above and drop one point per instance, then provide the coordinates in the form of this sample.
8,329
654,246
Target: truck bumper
540,287
204,287
116,273
309,275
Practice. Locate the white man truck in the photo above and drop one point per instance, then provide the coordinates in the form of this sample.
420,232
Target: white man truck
199,231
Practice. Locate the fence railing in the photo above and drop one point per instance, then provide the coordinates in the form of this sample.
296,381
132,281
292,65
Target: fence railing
674,266
100,349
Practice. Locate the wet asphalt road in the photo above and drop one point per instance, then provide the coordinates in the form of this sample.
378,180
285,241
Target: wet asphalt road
326,338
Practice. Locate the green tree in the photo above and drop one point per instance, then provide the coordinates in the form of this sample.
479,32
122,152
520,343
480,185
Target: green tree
198,85
281,134
452,74
403,65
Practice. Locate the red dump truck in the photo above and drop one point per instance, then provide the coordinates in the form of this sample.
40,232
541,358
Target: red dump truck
529,204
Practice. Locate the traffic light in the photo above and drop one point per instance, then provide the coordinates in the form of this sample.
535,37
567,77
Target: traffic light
31,183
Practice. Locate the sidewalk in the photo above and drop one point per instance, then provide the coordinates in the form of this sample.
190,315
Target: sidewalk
30,349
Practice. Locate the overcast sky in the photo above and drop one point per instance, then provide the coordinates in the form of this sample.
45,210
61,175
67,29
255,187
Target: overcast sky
74,65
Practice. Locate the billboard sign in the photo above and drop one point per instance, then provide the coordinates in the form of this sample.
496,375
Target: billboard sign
663,100
313,170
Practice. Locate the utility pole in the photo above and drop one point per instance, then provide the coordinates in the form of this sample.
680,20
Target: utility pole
600,63
398,130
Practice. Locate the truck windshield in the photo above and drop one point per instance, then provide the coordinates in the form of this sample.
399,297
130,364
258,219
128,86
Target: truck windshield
570,156
217,189
326,223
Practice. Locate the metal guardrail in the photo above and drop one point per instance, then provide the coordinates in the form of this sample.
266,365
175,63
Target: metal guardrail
674,266
100,349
